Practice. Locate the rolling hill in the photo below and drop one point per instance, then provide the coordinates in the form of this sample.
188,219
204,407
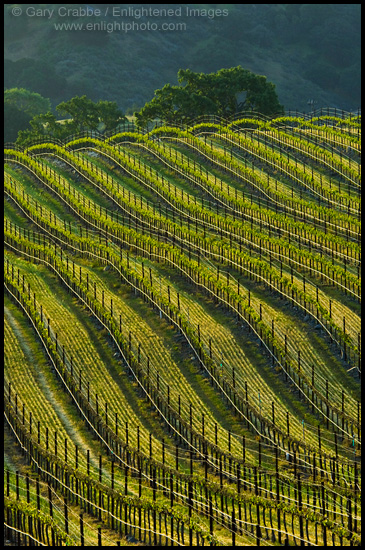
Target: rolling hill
182,335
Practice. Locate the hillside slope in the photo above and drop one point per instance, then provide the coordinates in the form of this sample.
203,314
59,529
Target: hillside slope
182,335
308,51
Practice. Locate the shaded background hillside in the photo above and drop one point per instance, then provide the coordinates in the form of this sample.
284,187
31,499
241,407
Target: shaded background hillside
309,51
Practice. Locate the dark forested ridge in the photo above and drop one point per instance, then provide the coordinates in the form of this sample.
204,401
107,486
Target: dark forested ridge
309,51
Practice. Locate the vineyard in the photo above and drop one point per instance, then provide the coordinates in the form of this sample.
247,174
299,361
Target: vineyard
182,335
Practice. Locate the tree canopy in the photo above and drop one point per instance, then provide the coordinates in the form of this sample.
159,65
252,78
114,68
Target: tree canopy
81,110
29,102
20,105
214,93
87,115
109,114
84,115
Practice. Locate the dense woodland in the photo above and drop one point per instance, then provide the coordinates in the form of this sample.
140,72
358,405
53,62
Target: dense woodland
309,51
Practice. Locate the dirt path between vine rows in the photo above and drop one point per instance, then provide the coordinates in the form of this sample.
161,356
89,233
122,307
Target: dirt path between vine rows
50,395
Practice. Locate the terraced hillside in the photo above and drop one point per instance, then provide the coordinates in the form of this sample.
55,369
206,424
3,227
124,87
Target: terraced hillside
182,335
